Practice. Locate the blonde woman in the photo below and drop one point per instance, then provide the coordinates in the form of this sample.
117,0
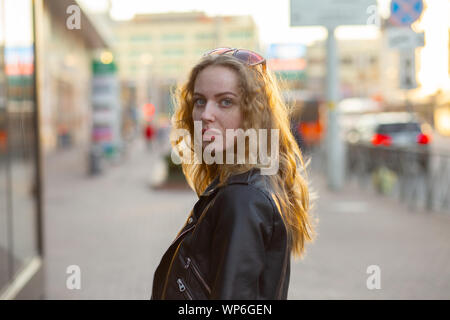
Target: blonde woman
253,207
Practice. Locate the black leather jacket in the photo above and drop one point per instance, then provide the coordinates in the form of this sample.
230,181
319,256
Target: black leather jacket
234,245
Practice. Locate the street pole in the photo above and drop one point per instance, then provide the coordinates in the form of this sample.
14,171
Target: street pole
334,144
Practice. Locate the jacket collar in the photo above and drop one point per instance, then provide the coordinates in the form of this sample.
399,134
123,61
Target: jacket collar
244,178
211,188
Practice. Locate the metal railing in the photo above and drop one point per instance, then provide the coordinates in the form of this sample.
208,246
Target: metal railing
418,177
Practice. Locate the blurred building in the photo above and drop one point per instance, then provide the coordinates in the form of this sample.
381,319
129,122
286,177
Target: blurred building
154,51
65,83
359,68
168,44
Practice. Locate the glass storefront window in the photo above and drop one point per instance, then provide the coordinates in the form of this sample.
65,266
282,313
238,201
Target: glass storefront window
18,210
4,247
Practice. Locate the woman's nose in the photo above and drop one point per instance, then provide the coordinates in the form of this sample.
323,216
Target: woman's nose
208,111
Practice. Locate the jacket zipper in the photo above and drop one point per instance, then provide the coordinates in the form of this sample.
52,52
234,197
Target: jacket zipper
188,260
183,289
194,267
181,286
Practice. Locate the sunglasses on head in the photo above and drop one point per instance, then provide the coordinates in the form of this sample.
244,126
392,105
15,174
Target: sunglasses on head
250,58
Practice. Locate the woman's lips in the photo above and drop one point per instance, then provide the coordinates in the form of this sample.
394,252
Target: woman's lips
209,134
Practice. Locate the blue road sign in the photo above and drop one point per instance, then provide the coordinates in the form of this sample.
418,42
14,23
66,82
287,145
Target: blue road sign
405,12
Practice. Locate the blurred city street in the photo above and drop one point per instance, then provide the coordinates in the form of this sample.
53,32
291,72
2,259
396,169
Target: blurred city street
116,228
92,93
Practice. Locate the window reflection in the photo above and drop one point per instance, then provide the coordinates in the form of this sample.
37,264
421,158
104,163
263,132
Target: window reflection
4,248
18,227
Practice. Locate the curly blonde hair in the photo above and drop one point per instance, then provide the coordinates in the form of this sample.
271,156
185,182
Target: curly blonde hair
262,107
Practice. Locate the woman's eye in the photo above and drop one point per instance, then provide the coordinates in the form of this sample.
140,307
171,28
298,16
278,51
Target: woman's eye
227,102
199,102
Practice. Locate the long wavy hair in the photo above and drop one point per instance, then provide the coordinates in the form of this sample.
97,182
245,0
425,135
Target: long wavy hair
262,107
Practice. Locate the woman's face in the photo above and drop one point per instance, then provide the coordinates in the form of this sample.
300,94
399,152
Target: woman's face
217,105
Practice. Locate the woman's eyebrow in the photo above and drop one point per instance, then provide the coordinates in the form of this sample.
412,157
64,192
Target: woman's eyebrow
217,94
224,93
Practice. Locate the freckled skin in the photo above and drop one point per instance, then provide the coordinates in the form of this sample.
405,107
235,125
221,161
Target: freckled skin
217,103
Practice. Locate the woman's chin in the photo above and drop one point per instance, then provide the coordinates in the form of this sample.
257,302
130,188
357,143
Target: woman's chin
205,144
211,147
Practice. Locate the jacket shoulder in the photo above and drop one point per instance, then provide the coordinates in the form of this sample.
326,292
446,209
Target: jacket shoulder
245,202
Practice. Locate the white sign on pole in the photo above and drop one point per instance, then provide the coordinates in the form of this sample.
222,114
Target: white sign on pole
330,13
404,38
407,69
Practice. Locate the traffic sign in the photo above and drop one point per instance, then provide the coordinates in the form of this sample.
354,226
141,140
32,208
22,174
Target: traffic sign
405,12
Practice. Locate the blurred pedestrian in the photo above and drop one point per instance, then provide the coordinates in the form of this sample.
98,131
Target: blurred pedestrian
237,241
149,134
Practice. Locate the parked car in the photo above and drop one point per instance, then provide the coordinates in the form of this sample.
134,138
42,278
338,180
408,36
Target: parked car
399,129
403,132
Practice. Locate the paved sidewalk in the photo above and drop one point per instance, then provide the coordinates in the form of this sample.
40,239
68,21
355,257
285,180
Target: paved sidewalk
358,229
116,228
